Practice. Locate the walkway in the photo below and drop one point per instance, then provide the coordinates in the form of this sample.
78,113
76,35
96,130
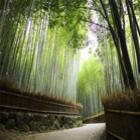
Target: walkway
87,132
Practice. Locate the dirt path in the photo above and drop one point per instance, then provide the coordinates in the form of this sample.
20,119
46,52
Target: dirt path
87,132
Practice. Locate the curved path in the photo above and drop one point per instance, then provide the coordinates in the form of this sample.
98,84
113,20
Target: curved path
87,132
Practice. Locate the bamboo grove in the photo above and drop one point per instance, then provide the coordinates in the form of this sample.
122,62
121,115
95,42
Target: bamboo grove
117,55
40,43
122,22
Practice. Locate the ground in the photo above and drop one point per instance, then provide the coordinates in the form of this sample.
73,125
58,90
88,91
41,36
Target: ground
86,132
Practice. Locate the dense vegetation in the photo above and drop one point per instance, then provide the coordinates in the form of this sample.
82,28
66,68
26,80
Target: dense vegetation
40,42
119,52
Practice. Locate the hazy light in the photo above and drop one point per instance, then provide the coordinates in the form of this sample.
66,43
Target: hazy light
91,42
90,46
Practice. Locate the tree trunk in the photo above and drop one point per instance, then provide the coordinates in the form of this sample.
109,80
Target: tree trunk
123,45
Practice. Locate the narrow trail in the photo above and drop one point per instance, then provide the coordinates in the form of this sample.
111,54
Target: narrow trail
87,132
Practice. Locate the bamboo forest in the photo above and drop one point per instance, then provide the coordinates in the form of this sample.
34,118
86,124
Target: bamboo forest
72,66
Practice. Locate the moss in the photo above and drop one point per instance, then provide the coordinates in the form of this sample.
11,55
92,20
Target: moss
35,126
3,117
23,127
10,124
25,122
56,124
2,127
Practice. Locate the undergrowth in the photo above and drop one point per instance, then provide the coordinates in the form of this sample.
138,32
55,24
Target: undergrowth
127,100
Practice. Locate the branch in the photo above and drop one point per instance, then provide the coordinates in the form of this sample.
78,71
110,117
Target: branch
97,24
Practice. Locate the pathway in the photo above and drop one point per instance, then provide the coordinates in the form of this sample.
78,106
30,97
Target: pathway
87,132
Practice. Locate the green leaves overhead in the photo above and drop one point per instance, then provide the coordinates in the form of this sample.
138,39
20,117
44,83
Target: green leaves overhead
65,14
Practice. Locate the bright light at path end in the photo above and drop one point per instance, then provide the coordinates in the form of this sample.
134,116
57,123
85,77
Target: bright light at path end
90,47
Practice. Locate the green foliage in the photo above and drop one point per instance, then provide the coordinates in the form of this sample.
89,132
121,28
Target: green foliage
91,85
39,41
90,73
